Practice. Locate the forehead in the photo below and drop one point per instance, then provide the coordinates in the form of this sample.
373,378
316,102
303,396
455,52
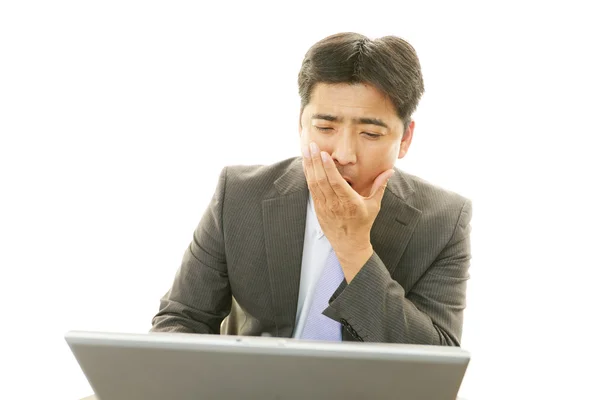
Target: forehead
356,100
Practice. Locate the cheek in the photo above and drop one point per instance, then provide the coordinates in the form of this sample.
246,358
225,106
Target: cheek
305,137
394,150
322,141
383,157
379,160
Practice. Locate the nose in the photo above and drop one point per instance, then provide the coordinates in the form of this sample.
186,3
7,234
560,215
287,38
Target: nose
344,151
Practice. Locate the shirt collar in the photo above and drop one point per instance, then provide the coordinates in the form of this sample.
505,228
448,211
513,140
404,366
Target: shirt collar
313,217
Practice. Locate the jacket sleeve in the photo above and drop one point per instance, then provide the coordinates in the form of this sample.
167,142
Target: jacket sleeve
376,308
200,297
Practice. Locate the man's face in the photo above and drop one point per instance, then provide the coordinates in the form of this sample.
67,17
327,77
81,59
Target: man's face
358,126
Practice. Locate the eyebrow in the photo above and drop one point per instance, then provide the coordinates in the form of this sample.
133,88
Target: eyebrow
362,121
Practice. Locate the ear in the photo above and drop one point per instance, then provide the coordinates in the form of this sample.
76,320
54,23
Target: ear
300,121
406,140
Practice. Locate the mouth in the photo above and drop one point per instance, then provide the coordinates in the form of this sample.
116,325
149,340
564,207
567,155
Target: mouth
348,180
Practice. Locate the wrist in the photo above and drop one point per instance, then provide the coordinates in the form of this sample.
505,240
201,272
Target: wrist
351,253
353,259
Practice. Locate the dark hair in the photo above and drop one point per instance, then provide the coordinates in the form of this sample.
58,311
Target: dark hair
389,63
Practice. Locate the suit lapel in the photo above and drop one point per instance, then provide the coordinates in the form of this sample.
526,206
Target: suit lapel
393,229
284,221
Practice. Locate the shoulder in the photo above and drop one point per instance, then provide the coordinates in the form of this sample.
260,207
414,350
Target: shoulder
257,180
436,201
259,172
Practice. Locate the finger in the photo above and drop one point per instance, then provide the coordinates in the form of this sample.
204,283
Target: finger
379,185
310,175
319,171
338,184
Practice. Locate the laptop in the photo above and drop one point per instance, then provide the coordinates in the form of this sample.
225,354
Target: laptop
177,366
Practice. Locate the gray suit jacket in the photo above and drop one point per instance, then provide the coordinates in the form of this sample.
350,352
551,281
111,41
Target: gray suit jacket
245,257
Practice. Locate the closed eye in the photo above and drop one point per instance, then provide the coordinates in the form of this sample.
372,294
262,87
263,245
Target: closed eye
369,135
372,135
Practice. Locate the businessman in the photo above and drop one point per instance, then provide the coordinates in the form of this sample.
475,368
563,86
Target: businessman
336,244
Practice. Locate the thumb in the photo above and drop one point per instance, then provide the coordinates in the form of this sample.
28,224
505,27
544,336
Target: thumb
380,184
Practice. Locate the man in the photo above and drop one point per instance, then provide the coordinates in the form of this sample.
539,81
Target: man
336,244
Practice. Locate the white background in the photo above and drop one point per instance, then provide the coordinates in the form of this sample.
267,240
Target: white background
117,116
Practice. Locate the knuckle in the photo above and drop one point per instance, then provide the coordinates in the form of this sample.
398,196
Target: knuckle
336,185
335,205
352,208
322,180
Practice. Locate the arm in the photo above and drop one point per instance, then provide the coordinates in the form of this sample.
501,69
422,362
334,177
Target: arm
377,308
200,297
